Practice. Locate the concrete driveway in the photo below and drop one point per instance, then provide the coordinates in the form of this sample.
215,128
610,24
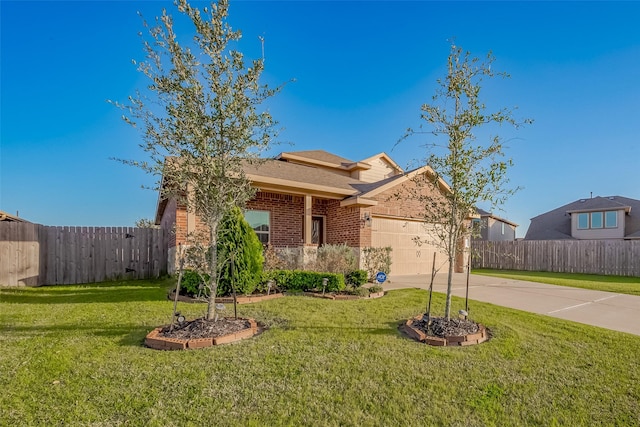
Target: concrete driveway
618,312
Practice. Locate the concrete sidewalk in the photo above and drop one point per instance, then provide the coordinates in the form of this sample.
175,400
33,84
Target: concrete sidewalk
618,312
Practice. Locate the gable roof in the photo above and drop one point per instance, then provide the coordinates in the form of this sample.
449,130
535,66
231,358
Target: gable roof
315,156
598,203
486,214
556,224
276,174
322,158
384,157
321,174
10,218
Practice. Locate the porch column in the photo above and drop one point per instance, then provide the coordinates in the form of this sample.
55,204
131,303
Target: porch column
308,212
191,216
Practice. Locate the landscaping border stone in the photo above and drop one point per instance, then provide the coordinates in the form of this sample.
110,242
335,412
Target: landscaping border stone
157,342
417,334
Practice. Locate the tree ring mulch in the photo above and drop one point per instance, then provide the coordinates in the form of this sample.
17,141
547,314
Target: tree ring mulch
442,332
201,333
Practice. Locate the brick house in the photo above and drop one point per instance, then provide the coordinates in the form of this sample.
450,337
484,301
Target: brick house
309,198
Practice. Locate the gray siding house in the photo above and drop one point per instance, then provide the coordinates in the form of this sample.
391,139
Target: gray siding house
611,217
493,228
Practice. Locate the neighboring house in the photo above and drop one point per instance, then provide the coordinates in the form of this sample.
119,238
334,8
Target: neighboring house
10,218
492,228
612,217
309,198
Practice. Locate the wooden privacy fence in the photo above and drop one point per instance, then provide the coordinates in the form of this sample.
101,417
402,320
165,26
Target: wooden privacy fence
608,257
34,254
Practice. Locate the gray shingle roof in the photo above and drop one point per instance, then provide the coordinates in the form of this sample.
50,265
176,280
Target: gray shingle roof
556,224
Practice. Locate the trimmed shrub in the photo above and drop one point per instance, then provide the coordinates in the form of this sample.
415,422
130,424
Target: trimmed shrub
359,291
356,278
191,280
300,280
239,242
375,289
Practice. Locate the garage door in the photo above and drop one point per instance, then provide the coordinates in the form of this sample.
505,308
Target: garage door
408,256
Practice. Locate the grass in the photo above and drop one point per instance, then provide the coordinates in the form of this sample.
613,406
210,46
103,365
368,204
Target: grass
73,355
617,284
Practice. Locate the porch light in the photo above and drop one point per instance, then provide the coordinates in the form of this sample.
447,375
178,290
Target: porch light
366,219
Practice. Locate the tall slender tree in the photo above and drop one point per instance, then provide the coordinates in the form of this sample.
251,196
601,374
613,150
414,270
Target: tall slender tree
200,118
474,168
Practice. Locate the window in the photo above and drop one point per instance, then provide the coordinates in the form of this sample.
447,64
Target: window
503,228
583,221
259,221
611,219
608,219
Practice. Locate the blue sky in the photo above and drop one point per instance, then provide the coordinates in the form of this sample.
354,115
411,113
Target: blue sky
362,69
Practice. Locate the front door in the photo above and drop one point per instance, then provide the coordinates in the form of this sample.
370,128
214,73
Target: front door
317,230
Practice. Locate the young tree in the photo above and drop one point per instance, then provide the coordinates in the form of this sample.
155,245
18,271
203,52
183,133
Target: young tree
476,172
200,118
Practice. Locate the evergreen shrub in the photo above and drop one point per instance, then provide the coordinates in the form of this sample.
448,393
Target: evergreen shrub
238,241
356,278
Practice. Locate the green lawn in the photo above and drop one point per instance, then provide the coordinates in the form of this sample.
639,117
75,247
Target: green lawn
73,355
618,284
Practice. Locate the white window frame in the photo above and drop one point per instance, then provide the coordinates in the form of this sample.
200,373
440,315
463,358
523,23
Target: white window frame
614,216
583,214
591,217
603,220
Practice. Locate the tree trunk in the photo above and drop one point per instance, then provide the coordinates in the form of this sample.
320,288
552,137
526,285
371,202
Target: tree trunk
213,272
447,309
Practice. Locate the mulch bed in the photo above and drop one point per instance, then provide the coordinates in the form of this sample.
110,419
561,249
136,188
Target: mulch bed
442,332
202,328
441,327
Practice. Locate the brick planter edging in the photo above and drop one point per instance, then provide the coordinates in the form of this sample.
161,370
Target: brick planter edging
157,342
465,340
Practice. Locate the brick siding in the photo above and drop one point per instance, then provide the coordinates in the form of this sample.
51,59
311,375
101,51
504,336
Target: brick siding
286,231
343,224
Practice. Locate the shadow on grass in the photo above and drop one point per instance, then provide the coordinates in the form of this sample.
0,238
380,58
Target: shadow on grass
112,292
390,330
122,335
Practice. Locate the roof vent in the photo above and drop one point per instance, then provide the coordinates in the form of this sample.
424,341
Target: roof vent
611,198
582,200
